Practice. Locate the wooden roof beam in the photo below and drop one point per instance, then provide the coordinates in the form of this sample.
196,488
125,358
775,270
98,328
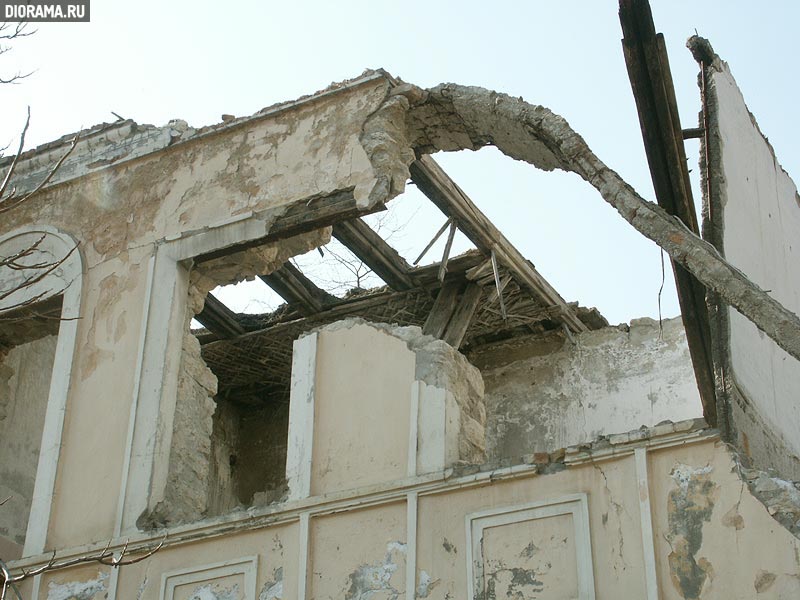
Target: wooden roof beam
651,81
292,285
431,179
219,319
375,252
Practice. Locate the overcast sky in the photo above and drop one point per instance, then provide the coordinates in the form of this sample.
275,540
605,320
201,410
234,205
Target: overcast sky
154,61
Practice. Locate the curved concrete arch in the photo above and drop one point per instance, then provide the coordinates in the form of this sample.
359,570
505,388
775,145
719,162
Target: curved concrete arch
54,266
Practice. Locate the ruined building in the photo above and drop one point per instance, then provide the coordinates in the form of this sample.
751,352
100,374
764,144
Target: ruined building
462,433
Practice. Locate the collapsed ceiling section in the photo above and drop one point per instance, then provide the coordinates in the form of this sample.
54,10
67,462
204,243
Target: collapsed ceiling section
487,294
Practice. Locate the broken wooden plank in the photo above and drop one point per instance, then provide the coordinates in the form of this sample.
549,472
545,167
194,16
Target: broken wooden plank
443,308
376,253
293,286
462,317
301,217
446,254
443,191
219,319
651,80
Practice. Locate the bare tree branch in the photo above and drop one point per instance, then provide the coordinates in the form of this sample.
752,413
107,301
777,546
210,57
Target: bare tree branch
105,557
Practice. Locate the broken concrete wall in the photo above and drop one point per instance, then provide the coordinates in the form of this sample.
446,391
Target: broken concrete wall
753,217
24,386
365,381
548,393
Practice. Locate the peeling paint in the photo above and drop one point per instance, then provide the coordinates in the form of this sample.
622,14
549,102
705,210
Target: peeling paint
764,581
78,590
211,591
426,584
273,589
689,506
374,581
514,581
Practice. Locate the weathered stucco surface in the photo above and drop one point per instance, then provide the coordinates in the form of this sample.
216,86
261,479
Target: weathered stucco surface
548,393
24,385
126,188
197,469
755,222
383,517
363,404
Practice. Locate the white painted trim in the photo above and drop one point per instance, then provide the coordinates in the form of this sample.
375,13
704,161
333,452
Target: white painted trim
411,546
246,566
113,584
648,543
155,391
137,377
574,504
413,428
301,417
432,429
162,310
67,279
35,587
302,559
379,494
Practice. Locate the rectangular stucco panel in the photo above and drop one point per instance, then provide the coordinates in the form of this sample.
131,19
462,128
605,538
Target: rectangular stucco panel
362,409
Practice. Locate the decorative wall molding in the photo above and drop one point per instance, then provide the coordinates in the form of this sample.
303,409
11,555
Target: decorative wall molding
575,505
67,278
247,567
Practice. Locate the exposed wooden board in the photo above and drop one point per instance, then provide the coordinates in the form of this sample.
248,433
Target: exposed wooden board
303,216
442,191
462,317
443,309
375,252
219,319
651,80
293,286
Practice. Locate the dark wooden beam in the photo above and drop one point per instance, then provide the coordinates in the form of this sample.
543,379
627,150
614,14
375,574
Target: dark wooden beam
443,308
651,81
462,317
427,277
451,199
301,217
219,319
293,286
378,255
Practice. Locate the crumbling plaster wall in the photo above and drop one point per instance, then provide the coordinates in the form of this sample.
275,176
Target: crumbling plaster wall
124,191
753,217
24,386
548,393
197,470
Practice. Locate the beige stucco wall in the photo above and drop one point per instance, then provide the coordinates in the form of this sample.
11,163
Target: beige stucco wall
756,221
24,385
119,210
362,407
553,392
712,538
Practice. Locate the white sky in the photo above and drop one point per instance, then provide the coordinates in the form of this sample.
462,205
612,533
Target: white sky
153,61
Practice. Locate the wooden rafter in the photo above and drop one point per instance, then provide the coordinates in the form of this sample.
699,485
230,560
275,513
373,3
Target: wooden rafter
293,286
444,193
376,253
219,319
651,81
302,217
